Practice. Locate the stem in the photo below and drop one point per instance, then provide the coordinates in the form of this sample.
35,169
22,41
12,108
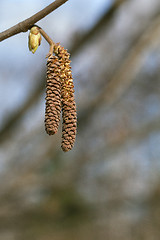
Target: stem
48,39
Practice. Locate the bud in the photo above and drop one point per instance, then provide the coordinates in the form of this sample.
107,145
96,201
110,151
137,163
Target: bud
34,39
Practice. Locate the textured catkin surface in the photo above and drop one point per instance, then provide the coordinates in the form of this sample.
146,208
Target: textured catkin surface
69,114
53,95
60,96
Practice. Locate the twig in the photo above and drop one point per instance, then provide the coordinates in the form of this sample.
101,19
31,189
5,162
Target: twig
48,39
29,22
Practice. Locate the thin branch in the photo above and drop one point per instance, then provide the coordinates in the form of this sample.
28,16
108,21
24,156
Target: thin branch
45,35
48,39
29,22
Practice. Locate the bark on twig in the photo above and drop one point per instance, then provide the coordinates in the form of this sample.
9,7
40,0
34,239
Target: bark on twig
29,22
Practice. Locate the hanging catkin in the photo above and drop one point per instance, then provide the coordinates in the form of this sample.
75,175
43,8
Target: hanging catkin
59,89
53,95
69,113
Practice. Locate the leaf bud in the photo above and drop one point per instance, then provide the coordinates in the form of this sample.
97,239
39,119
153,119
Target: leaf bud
34,39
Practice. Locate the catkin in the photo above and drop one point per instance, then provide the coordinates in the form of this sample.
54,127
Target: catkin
60,95
69,114
53,95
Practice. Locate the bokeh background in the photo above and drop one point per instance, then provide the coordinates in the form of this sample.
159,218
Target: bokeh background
108,186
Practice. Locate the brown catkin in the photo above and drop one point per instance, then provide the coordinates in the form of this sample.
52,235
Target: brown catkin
69,114
53,95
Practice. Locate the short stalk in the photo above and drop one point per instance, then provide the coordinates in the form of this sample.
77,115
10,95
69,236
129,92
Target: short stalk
48,39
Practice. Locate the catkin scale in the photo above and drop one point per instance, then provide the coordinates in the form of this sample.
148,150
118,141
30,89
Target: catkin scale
69,114
60,96
53,96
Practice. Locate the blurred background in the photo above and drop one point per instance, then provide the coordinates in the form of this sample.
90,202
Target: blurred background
108,186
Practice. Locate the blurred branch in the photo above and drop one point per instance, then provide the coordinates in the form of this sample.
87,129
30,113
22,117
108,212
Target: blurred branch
32,168
36,94
17,115
134,135
29,22
124,77
103,21
116,87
